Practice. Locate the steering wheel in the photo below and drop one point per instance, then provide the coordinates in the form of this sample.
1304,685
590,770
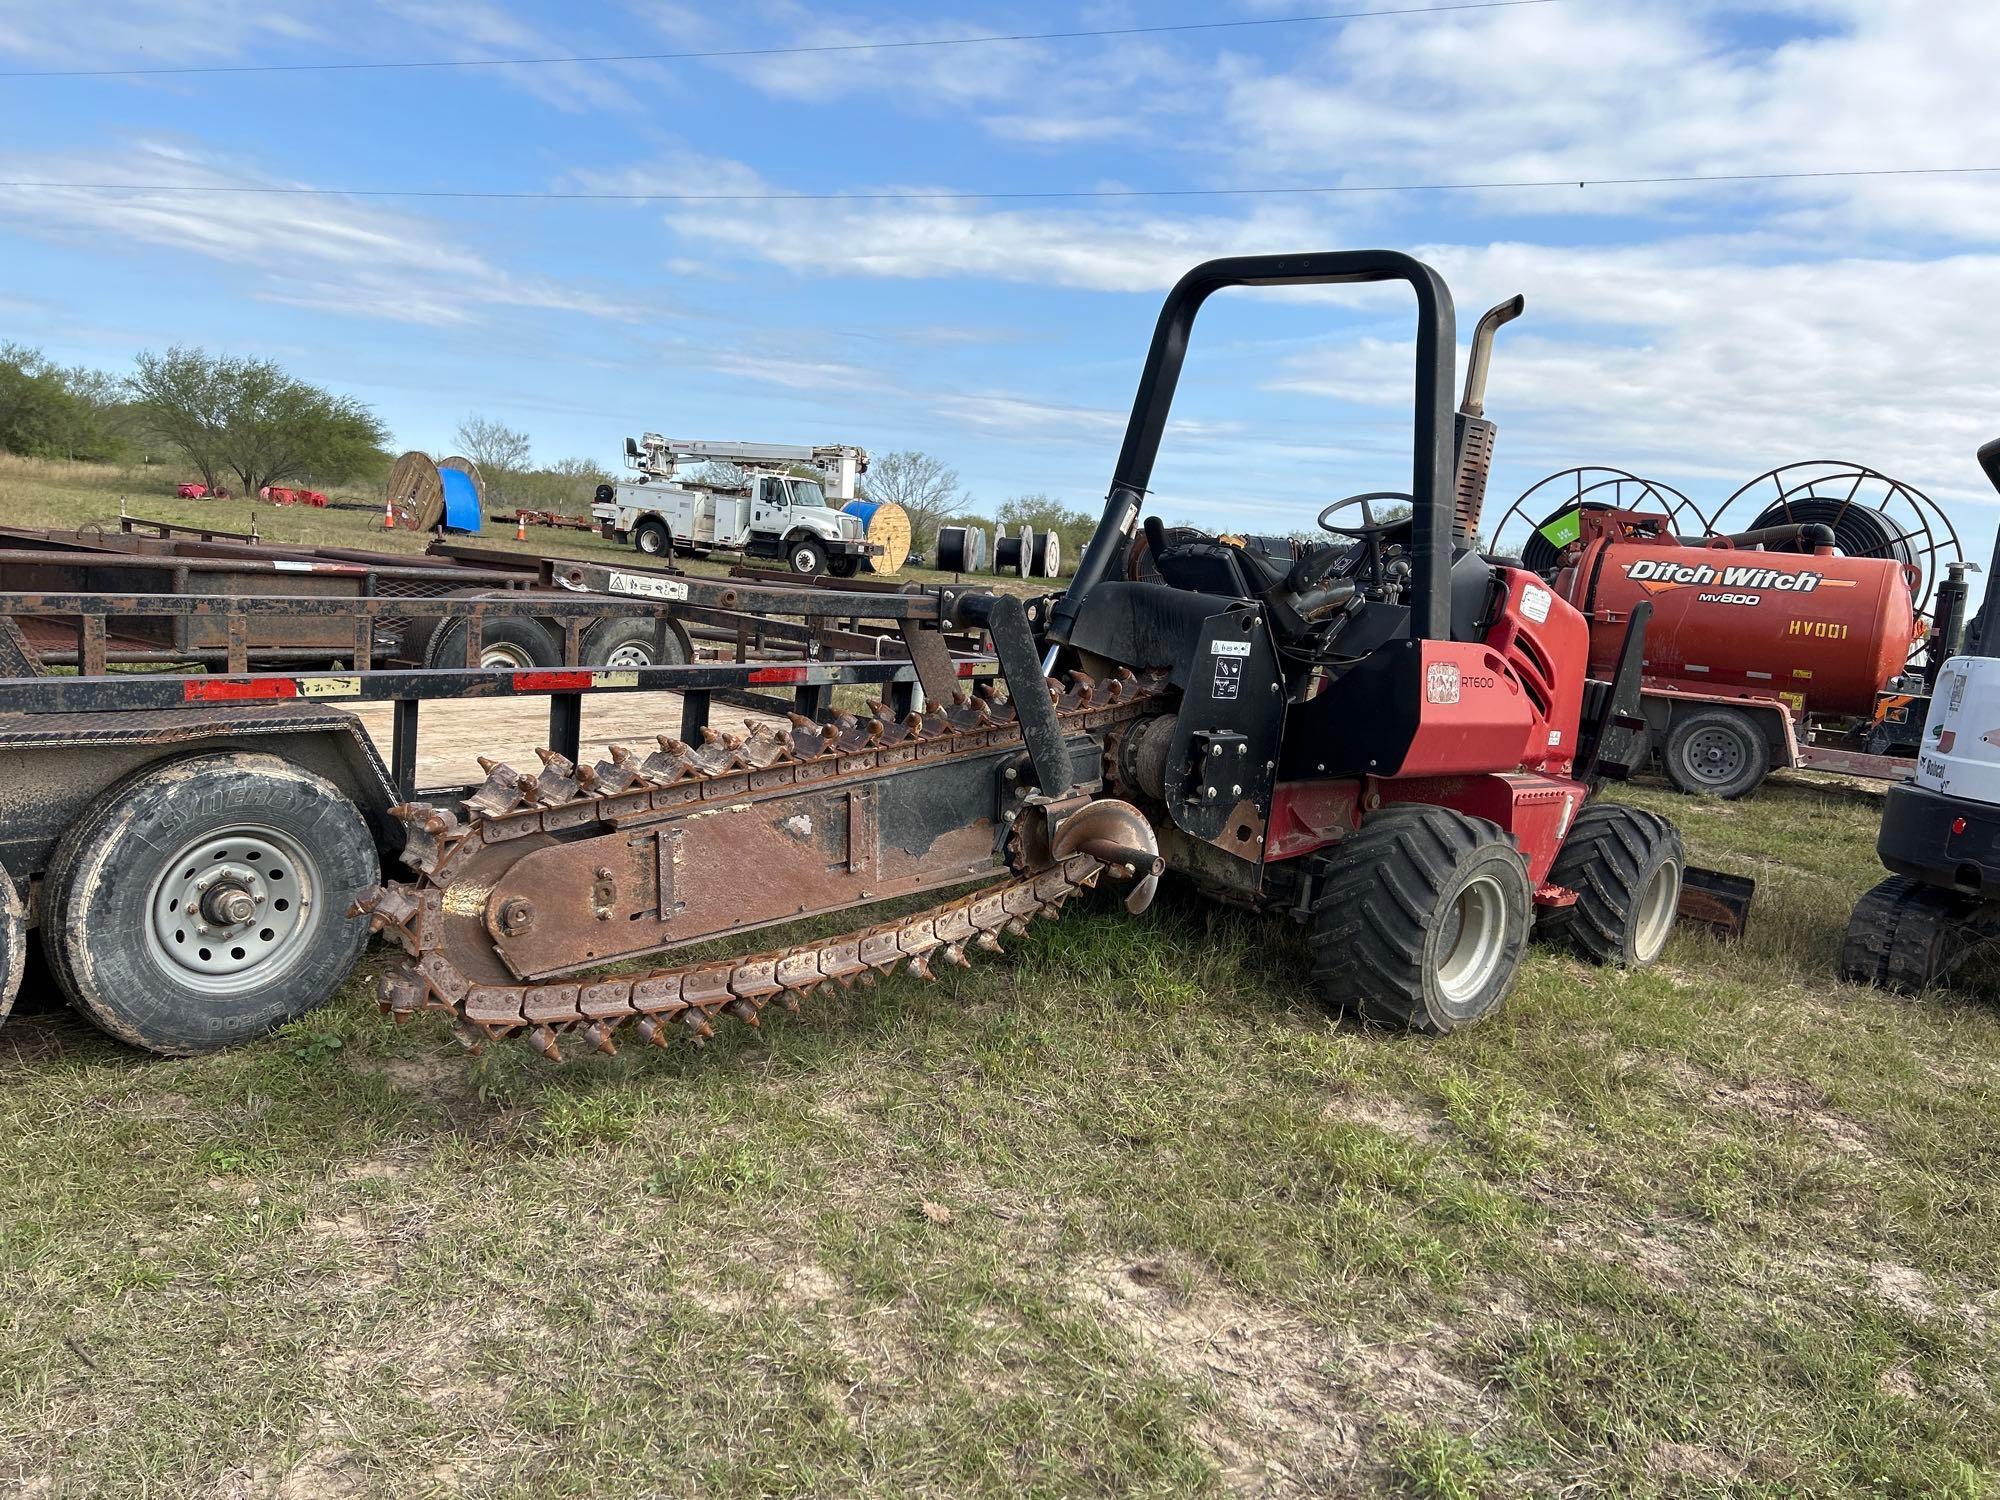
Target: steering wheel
1370,528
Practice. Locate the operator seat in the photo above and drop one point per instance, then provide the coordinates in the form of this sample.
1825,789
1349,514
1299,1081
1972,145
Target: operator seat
1474,585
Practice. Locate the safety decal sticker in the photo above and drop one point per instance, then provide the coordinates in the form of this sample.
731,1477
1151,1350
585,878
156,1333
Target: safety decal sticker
1228,676
640,586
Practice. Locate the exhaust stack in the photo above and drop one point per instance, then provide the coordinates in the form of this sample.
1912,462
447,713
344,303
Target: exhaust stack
1475,434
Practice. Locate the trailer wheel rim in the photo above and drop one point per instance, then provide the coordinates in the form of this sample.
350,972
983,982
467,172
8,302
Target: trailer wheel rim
631,654
1473,941
505,656
1658,905
1715,756
233,909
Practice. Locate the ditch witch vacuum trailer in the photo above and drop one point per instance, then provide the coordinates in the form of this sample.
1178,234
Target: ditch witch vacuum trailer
1940,838
1386,736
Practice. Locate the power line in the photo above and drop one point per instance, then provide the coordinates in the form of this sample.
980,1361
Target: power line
721,54
1050,194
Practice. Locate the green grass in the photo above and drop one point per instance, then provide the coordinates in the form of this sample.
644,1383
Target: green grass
54,493
1122,1212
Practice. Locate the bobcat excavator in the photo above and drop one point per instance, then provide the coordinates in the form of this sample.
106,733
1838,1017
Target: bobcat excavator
1386,736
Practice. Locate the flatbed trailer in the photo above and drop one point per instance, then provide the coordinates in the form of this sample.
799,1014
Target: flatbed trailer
645,616
185,844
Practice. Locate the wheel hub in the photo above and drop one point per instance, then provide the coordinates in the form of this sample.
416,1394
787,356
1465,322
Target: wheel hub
232,908
1471,940
1715,755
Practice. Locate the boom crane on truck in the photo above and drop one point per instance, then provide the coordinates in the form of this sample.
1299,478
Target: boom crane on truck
773,513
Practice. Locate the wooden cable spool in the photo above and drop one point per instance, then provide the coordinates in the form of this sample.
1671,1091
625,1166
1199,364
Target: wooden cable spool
886,524
416,487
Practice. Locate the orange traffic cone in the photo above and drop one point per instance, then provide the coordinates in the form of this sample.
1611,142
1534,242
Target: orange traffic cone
520,525
389,515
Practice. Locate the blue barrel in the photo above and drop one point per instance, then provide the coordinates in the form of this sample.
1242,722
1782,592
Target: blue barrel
461,501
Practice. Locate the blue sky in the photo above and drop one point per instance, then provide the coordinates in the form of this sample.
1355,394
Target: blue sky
1696,333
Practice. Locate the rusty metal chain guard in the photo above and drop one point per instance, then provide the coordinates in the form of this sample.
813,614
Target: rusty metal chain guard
573,866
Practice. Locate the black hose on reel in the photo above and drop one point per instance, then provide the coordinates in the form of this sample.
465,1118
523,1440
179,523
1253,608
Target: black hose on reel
1543,557
1858,530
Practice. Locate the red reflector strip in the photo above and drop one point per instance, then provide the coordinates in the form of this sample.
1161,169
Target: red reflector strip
223,690
778,674
551,682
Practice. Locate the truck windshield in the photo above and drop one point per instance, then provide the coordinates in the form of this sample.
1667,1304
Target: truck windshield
807,492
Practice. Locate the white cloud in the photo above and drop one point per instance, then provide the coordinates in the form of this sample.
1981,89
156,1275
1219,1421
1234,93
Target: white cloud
1629,88
155,33
1676,357
328,253
143,34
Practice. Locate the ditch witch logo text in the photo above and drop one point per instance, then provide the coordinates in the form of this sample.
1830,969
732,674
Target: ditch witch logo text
1657,575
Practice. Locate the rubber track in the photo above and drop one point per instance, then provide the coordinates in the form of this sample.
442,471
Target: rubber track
1892,938
1604,860
1372,912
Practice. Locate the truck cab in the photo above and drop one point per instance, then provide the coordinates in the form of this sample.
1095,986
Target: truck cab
767,512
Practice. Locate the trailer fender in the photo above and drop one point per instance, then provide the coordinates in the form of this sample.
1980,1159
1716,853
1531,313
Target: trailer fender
53,767
1665,705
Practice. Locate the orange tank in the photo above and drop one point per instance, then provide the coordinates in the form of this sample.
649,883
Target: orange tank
1826,632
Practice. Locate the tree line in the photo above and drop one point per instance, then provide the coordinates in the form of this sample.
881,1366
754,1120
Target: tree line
244,423
929,489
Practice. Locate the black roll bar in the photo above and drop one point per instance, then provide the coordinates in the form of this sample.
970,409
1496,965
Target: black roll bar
1434,461
1982,638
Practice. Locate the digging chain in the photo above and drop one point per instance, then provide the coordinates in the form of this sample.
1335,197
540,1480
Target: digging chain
563,798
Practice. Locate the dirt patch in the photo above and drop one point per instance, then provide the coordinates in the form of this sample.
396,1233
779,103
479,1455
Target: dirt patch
1791,1102
324,1474
1395,1117
1902,1287
368,1258
1692,1462
432,1073
1285,1427
1898,1381
1658,1258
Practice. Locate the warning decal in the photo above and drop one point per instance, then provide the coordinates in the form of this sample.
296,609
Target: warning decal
1228,677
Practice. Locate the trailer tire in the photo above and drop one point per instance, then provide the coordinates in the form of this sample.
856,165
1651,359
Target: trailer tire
1721,751
652,537
636,641
843,567
126,890
13,942
509,641
1421,919
805,556
1908,937
1625,866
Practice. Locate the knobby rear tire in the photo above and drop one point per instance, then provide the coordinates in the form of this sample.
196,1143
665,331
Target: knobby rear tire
1421,919
1625,866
